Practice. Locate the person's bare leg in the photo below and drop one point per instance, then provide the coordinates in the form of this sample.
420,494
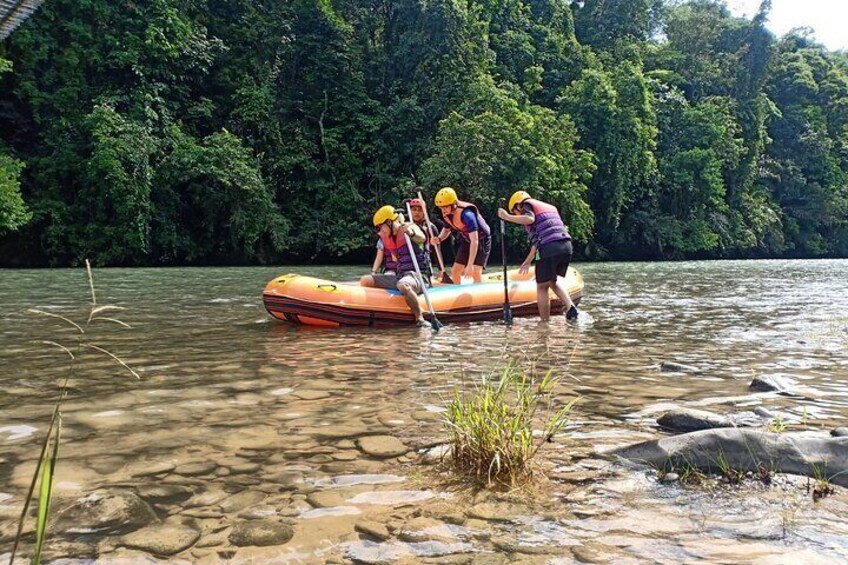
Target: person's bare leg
478,274
544,300
456,272
559,290
367,280
411,299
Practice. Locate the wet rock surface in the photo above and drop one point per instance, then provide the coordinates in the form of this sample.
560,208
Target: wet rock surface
690,420
260,533
772,383
162,539
111,511
747,450
381,446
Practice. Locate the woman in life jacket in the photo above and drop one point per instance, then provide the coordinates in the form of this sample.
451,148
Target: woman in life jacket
550,238
463,219
391,229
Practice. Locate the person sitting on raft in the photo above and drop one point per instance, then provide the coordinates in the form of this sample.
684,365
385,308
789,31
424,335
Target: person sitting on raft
400,270
475,238
550,237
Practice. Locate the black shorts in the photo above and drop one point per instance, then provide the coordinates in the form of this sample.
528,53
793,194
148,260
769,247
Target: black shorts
484,247
554,261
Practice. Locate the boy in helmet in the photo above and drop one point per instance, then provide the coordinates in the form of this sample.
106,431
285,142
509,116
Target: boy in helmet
550,237
400,269
475,238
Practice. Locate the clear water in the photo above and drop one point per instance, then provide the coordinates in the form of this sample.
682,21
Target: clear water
222,382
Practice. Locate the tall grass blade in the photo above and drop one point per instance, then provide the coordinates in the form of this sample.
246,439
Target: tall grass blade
90,282
52,315
113,356
48,469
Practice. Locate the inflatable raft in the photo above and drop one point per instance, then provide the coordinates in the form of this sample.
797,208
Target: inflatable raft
316,302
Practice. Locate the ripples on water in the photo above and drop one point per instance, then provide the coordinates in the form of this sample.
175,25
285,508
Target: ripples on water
219,376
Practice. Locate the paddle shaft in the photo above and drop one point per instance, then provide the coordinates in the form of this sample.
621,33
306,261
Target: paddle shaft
507,307
434,321
438,248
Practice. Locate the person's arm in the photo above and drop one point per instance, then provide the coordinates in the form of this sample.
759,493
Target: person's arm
521,219
378,260
525,266
415,234
443,235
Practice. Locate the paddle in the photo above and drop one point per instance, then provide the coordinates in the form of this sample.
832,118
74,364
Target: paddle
445,278
507,316
434,321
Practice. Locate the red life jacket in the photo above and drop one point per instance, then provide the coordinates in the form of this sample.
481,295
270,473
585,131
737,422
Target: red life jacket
454,222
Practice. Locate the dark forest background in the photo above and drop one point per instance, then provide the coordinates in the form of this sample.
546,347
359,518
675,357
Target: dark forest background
160,132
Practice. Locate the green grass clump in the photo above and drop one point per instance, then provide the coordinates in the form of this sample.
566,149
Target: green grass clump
490,429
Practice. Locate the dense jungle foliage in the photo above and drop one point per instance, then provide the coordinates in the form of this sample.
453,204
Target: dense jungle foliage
153,132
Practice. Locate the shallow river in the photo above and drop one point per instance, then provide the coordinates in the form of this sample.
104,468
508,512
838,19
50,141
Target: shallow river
239,423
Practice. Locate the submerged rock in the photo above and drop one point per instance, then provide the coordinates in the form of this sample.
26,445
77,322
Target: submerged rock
839,432
382,446
162,539
107,510
241,500
260,533
771,383
373,529
675,367
746,450
689,420
367,551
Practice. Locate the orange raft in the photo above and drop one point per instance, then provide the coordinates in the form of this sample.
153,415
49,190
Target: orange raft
316,302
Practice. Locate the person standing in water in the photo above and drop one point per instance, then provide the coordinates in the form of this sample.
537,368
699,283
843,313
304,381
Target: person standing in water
475,238
548,236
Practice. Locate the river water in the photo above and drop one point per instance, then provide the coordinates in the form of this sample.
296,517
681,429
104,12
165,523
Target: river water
238,419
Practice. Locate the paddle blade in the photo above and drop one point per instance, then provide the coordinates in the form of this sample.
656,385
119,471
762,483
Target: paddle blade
508,315
446,278
435,324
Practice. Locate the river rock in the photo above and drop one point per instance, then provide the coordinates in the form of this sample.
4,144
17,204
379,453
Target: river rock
373,529
108,510
771,383
839,432
311,394
196,468
675,367
241,500
382,446
436,454
327,498
164,493
689,420
747,450
162,539
492,512
260,533
157,468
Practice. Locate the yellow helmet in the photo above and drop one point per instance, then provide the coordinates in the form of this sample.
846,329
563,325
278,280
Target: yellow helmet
517,198
446,197
385,214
